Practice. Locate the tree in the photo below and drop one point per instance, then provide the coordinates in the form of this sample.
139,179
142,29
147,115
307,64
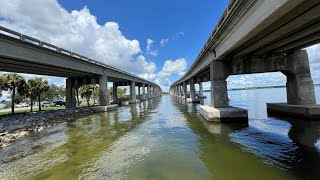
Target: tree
122,92
95,93
36,87
86,91
13,82
2,83
54,93
77,95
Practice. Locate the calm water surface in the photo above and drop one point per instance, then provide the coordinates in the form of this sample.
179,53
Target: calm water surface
165,138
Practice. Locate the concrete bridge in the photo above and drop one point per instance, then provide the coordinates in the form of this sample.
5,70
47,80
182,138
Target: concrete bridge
23,54
257,36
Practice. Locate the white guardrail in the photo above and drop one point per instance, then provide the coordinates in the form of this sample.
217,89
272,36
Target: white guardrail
34,41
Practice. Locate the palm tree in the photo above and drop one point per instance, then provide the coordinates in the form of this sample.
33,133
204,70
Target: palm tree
36,87
2,83
86,91
13,82
31,91
77,95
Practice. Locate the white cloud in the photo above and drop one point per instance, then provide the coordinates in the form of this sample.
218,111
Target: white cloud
181,73
79,31
170,68
76,31
176,66
163,42
149,50
256,80
314,60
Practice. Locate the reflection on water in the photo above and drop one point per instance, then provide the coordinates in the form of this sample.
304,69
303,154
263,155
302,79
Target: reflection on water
166,138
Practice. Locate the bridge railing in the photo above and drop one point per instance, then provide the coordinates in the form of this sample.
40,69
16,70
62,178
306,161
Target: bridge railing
34,41
215,34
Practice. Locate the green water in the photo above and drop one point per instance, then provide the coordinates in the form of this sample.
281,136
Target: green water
157,139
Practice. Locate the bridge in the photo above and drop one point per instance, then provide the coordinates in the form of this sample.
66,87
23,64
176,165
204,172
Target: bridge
24,54
257,36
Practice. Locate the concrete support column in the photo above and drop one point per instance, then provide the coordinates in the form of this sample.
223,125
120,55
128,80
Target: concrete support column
103,91
300,87
139,90
219,109
179,90
143,91
70,94
200,89
133,97
219,91
152,91
148,91
184,89
115,92
219,94
192,89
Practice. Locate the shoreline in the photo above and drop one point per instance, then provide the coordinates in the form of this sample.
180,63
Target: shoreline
20,125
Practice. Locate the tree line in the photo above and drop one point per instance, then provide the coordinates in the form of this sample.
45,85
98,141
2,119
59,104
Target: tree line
21,89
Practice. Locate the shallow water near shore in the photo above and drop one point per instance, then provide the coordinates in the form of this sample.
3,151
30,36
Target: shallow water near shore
165,138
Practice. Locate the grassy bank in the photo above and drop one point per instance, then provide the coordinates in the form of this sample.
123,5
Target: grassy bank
35,109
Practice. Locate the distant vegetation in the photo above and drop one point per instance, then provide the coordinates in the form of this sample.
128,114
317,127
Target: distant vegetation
38,89
248,88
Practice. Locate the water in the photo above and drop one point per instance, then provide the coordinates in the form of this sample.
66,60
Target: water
166,139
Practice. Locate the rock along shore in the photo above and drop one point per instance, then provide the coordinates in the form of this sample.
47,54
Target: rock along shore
17,126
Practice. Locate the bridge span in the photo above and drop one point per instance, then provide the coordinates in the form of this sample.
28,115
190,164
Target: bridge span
24,54
257,36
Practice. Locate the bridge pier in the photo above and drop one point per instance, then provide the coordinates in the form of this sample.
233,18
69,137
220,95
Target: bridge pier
103,91
184,90
301,99
133,98
149,92
70,93
220,109
192,98
201,89
143,92
115,92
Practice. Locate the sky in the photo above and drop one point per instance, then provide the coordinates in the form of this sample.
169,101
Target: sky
156,40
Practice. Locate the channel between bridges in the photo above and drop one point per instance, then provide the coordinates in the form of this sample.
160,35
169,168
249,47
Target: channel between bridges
24,54
257,36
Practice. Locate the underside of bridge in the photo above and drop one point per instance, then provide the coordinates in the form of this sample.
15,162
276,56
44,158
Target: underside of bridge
23,54
258,36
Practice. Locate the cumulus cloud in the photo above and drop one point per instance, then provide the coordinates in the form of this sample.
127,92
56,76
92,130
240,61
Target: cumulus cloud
170,68
77,31
176,66
80,32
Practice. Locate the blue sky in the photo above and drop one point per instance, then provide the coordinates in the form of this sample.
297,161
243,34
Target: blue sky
185,24
157,40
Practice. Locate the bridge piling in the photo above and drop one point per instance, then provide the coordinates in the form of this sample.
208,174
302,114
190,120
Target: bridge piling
70,93
192,98
103,90
133,97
